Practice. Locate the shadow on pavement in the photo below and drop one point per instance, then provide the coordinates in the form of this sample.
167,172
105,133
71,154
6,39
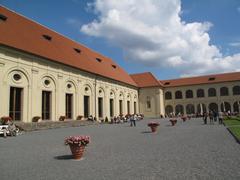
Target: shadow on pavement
63,157
146,132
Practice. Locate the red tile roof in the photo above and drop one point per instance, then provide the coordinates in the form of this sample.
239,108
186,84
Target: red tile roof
207,79
145,80
26,35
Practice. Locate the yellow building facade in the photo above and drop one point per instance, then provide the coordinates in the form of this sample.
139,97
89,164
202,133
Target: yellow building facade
44,74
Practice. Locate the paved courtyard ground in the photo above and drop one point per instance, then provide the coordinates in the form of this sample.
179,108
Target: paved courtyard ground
187,151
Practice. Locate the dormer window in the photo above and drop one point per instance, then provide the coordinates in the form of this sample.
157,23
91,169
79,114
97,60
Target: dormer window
114,66
166,83
98,59
47,37
211,78
77,50
3,18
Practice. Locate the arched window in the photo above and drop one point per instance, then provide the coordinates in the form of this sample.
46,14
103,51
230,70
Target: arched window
225,107
212,92
189,94
168,95
148,102
223,91
190,109
179,109
213,107
178,95
168,109
200,93
236,90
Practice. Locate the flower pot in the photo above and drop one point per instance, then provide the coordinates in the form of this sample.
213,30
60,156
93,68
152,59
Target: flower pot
184,119
173,121
77,151
153,128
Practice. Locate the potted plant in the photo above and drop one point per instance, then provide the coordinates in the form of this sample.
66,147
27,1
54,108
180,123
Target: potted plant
153,126
184,118
36,118
5,119
173,121
77,145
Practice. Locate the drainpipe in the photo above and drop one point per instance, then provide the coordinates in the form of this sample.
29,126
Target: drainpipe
95,104
138,99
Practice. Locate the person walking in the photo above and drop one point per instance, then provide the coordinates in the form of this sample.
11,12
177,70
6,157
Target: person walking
215,115
131,120
220,117
211,117
205,116
134,119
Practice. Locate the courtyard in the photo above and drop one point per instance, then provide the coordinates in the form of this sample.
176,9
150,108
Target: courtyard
189,150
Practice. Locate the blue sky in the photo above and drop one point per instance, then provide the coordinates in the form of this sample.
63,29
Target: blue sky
210,46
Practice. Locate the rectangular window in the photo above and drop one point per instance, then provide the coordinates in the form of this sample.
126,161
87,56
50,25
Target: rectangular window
148,103
86,106
15,103
100,107
46,105
120,107
128,107
111,108
135,108
69,104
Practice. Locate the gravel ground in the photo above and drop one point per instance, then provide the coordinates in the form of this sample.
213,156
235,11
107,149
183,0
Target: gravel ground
187,151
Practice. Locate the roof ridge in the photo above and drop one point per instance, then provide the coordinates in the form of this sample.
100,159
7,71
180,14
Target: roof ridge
207,75
120,74
155,78
65,36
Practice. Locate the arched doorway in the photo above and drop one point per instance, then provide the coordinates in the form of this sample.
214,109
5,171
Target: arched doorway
179,109
225,107
169,110
213,107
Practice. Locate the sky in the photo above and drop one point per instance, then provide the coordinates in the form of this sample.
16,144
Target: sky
170,38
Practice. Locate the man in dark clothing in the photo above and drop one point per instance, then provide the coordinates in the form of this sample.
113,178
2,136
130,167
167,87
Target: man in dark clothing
215,115
205,116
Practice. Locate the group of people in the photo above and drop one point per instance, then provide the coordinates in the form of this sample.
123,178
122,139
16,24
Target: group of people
213,117
132,118
11,129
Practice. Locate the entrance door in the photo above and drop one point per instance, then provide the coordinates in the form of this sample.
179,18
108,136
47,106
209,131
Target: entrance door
69,103
111,108
135,108
46,105
128,107
15,104
120,107
100,107
86,106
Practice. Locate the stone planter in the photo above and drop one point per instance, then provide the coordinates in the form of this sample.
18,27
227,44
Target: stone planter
77,151
184,118
153,128
173,121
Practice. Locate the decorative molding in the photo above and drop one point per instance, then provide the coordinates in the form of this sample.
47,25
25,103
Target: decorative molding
35,70
60,76
2,64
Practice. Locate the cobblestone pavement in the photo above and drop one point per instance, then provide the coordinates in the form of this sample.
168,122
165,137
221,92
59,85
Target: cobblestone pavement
188,151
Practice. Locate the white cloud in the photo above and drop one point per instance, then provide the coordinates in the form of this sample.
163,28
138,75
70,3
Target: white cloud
235,44
151,32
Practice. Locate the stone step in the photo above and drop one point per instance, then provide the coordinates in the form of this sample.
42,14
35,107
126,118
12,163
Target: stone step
33,126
